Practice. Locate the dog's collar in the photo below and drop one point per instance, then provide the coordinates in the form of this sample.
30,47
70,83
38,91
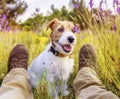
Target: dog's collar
56,53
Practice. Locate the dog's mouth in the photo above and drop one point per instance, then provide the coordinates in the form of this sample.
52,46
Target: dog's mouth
67,48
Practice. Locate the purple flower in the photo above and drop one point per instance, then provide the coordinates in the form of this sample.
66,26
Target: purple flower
100,9
4,17
100,6
37,9
76,29
114,27
101,2
0,28
91,3
6,22
115,2
8,28
75,5
118,10
52,6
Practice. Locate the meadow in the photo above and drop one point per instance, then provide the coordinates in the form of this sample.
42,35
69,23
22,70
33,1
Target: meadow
105,42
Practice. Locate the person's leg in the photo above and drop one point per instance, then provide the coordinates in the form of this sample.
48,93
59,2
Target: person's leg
16,83
86,83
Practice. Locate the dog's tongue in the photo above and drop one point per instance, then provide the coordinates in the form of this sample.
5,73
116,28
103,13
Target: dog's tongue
67,48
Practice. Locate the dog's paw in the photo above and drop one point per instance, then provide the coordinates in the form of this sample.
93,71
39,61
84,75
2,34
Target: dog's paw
65,93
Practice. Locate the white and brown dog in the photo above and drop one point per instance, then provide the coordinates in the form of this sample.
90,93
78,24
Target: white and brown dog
55,61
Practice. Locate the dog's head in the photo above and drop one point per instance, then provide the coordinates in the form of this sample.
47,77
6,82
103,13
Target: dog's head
62,36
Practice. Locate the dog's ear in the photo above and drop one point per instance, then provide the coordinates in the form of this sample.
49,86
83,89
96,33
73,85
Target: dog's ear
50,24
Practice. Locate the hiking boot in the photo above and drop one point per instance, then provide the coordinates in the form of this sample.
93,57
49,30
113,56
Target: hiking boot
18,57
87,57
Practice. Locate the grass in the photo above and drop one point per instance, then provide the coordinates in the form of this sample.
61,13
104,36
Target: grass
106,44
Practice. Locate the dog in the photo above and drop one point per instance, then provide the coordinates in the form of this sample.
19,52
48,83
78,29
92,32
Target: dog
55,60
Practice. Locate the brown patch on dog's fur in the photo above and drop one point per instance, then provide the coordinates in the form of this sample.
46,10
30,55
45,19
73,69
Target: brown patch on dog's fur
56,24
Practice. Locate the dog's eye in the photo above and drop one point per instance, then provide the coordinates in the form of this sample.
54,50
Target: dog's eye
61,29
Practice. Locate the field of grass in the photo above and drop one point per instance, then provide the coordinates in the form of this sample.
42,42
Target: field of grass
106,44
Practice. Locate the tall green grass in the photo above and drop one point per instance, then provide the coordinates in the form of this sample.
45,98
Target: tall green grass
106,44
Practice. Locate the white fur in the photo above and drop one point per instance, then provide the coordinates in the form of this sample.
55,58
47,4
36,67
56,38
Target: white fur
57,68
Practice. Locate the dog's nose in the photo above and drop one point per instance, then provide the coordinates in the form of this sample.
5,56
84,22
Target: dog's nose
71,39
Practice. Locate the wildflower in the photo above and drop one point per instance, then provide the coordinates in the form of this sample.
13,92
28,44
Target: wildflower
37,9
4,24
76,29
75,5
101,9
3,17
118,10
52,6
114,27
0,28
115,2
100,6
8,28
101,2
91,3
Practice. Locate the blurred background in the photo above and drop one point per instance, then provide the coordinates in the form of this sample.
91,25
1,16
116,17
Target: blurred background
34,14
